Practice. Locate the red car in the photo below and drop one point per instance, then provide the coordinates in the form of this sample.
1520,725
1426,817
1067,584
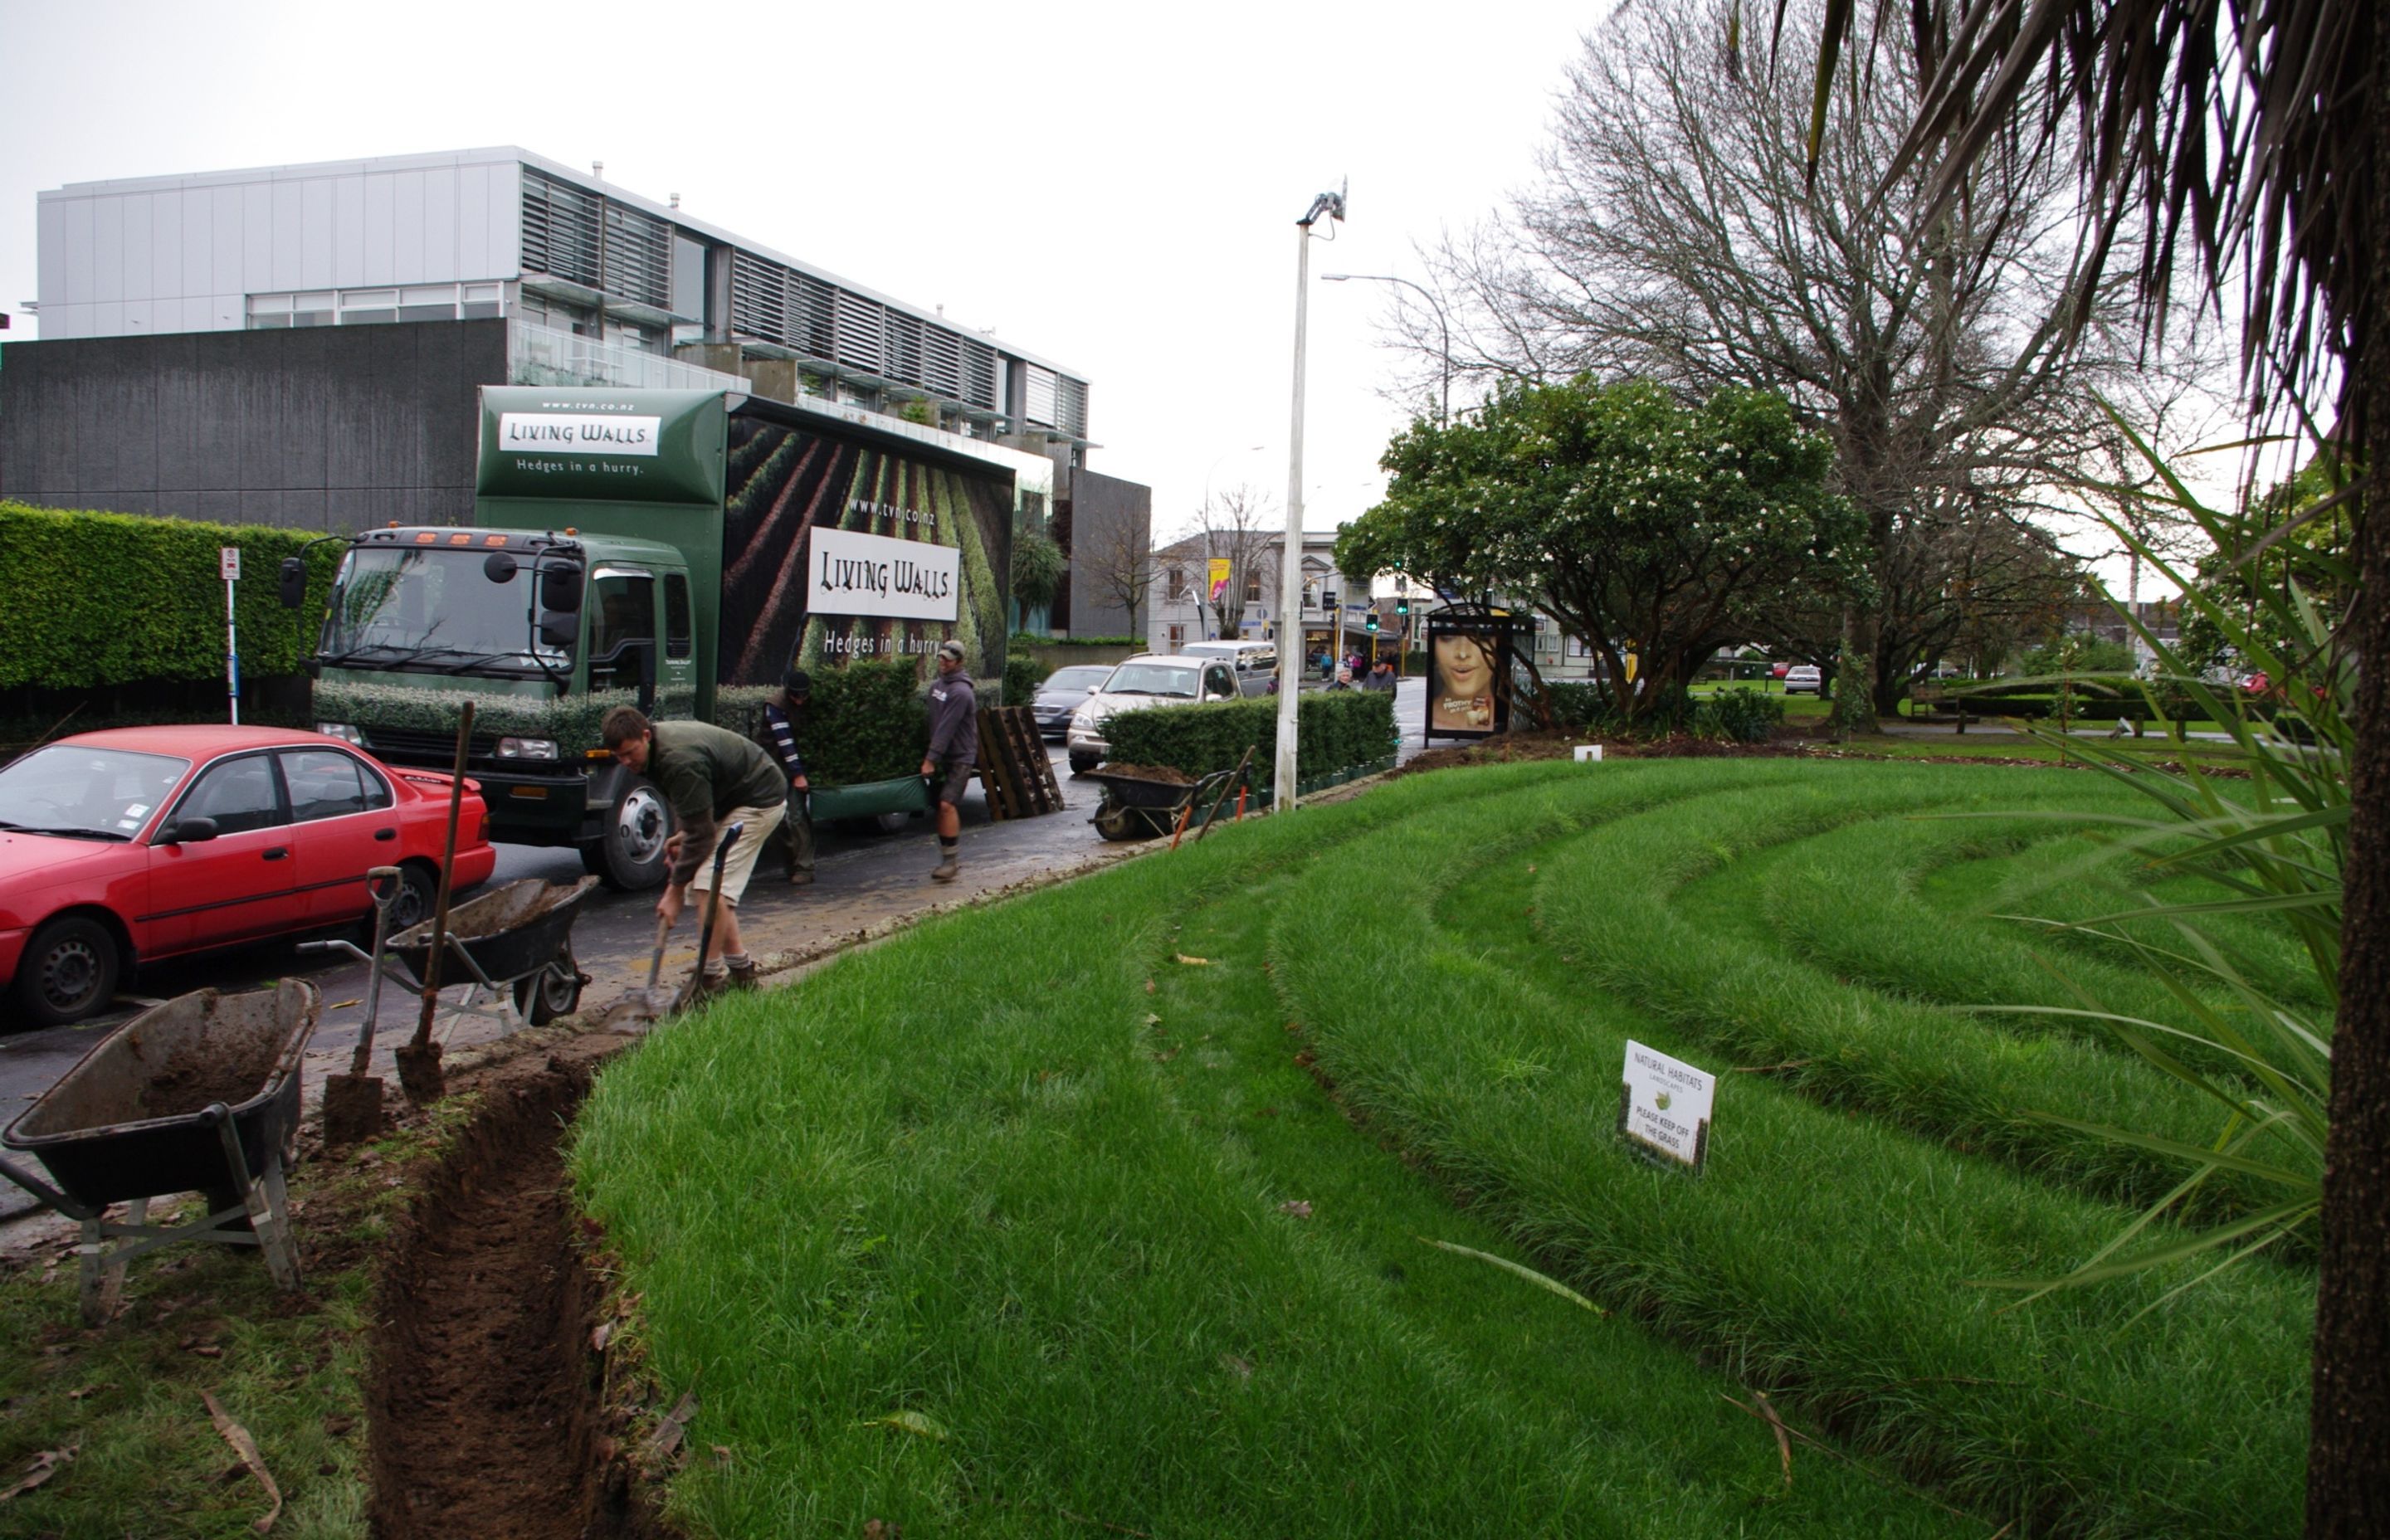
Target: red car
136,843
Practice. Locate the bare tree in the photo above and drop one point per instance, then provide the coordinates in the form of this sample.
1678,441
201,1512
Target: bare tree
1237,525
1674,233
1121,566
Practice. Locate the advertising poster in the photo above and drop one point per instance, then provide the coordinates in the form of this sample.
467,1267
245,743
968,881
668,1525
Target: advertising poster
1461,668
838,551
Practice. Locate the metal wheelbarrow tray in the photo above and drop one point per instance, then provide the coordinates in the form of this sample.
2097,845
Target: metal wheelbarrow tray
515,944
1140,807
199,1094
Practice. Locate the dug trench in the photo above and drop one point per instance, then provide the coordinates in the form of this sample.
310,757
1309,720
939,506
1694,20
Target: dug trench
485,1401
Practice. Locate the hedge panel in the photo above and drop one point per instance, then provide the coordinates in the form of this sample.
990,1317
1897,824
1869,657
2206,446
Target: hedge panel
1335,730
90,599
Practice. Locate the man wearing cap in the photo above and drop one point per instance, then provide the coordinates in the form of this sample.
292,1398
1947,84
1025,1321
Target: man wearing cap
714,779
781,717
953,749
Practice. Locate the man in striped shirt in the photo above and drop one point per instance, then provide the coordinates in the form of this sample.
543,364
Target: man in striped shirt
781,717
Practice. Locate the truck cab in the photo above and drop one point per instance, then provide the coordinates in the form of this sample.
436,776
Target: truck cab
545,632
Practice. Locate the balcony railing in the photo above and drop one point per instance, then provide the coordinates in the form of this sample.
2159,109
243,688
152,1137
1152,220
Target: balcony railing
542,356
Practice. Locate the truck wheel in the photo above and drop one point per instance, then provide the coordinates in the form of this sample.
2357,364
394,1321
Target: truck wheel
629,855
67,971
1080,763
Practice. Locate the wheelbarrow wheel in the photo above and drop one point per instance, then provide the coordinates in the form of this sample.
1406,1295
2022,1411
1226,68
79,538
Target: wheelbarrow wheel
1120,823
552,991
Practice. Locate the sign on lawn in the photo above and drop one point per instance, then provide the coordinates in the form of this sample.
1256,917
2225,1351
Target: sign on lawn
1665,1105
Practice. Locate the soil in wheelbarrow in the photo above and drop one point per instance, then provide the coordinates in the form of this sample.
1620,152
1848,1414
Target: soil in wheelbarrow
1165,774
487,1414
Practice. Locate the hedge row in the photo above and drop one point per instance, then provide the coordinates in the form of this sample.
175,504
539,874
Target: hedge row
1335,730
866,721
90,599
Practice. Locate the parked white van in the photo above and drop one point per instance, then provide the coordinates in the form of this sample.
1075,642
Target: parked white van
1255,663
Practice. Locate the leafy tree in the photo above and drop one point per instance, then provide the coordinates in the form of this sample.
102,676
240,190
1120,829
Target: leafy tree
1673,233
1039,568
1632,520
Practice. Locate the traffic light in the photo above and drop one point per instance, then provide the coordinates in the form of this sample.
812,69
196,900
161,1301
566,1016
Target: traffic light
1402,605
1370,622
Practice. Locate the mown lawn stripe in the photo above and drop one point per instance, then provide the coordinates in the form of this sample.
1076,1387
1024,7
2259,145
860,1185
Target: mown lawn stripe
1821,1251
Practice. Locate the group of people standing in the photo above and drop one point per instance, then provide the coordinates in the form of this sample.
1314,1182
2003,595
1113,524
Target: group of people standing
714,779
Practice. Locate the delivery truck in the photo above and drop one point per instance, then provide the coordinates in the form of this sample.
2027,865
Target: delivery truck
676,550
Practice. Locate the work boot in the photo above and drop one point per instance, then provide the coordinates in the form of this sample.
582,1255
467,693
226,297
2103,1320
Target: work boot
800,879
946,870
705,986
744,977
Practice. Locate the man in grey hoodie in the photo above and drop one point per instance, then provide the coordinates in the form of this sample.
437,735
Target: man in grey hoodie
953,749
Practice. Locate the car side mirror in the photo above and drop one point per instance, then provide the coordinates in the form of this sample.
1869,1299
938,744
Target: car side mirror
293,581
1095,689
188,832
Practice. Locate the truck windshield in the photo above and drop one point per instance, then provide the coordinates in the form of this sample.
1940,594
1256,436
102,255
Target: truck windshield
433,607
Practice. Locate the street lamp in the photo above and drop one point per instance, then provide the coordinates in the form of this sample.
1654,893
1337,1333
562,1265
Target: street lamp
1290,582
1442,327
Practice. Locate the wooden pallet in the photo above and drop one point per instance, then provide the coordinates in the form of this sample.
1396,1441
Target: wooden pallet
1013,768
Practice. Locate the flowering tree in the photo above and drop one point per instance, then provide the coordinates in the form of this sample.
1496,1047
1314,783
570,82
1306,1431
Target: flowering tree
1637,522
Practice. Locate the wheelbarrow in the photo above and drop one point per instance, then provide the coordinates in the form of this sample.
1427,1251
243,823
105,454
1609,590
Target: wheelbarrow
1137,807
199,1094
512,947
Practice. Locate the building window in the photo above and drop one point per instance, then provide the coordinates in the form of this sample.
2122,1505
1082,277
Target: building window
1254,585
1178,636
1173,581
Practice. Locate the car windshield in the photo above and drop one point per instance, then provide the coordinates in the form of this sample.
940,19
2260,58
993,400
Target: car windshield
1151,679
429,603
1075,679
86,792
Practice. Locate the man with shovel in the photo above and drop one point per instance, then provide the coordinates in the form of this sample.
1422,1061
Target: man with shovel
712,778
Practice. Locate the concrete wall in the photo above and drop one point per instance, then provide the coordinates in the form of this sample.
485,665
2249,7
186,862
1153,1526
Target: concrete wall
1106,515
325,428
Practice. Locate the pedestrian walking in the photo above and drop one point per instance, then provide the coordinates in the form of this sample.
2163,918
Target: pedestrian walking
783,716
953,749
1381,677
712,779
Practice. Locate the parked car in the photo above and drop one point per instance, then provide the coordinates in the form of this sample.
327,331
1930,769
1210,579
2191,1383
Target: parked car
1064,691
1255,663
1803,679
132,844
1150,679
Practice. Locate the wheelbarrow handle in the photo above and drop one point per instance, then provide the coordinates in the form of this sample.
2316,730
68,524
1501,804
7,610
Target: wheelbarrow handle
43,1191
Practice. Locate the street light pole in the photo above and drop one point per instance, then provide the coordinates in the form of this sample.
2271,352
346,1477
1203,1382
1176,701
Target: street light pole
1443,328
1290,582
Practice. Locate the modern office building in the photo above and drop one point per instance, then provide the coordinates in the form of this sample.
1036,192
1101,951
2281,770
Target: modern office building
301,345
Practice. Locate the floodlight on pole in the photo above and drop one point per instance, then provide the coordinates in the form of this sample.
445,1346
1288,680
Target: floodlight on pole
1443,328
1289,584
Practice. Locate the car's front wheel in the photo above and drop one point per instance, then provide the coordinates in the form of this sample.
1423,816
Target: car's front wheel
1080,763
68,971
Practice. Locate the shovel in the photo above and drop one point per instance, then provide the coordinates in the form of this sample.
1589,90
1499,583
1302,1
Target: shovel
712,908
418,1061
644,1005
352,1101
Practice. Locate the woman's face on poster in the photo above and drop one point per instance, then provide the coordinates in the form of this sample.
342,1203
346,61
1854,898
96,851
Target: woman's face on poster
1462,698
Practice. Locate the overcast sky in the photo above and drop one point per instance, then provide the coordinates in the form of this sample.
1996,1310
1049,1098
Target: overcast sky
1113,187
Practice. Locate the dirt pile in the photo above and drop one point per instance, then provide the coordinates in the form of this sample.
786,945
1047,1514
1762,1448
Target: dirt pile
485,1396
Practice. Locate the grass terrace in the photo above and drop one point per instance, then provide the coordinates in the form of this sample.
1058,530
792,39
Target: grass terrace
1142,1205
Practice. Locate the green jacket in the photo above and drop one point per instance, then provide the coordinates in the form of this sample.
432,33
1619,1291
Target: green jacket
704,772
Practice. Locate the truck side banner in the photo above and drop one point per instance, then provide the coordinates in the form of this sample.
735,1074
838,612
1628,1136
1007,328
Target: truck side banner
648,446
835,550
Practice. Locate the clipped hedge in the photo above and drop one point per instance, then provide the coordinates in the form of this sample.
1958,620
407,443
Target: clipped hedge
91,599
1335,731
1022,674
866,721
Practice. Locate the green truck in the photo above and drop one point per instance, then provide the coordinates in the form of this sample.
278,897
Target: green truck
677,550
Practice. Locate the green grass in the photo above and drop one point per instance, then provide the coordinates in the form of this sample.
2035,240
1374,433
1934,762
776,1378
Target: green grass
986,1231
